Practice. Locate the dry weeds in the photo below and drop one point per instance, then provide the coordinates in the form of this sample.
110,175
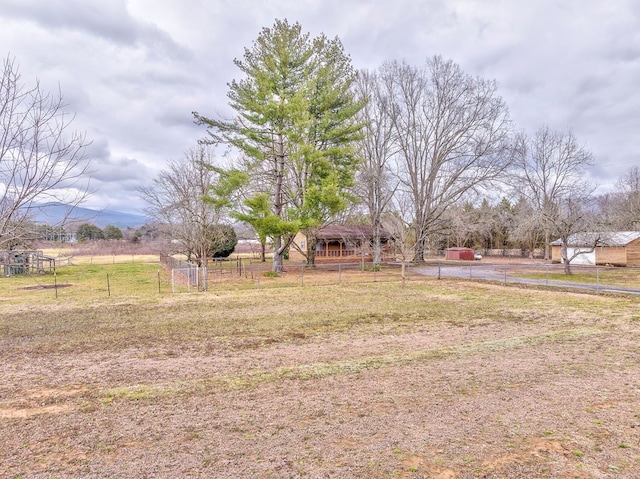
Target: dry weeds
435,380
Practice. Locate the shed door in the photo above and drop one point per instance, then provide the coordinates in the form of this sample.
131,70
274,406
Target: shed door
584,255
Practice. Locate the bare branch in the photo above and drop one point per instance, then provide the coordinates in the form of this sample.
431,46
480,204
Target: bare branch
41,159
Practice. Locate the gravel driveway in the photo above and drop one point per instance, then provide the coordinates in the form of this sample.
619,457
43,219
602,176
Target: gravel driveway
507,273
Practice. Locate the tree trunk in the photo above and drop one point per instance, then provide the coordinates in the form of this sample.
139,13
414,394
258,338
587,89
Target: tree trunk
311,249
278,250
565,259
204,256
278,255
376,244
418,256
547,248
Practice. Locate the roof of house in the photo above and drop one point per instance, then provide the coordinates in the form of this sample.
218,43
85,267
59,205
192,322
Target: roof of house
348,232
605,238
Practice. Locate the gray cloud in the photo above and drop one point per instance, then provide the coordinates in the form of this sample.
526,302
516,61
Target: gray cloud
134,70
121,171
99,150
110,21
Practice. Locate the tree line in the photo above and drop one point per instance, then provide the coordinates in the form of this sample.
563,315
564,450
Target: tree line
428,153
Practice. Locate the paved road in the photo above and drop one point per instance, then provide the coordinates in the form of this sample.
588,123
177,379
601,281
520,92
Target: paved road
504,273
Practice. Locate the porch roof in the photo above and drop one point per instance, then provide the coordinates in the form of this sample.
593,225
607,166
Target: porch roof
347,233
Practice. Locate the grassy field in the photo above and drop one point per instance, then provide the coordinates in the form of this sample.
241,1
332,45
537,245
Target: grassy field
68,256
85,281
438,379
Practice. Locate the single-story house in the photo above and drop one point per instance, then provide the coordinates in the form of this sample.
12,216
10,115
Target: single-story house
341,244
620,248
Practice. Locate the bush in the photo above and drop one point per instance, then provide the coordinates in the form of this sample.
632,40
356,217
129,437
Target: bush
369,267
223,241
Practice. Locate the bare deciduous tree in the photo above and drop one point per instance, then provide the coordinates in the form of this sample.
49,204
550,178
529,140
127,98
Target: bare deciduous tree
177,199
452,132
527,228
460,224
41,159
573,217
403,238
375,184
549,171
621,208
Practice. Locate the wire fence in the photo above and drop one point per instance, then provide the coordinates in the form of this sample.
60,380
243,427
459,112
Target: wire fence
256,274
176,276
78,260
540,273
535,274
251,273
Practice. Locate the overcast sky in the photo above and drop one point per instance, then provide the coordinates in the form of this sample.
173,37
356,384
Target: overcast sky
133,71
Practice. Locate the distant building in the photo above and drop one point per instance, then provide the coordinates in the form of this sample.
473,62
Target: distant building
343,244
466,254
621,248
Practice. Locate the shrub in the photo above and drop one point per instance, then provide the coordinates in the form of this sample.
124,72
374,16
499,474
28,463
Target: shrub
223,240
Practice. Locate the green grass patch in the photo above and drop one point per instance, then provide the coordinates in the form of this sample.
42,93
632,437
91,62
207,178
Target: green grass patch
623,277
87,282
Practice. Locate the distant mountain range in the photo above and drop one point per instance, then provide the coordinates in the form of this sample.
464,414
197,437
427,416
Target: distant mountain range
56,213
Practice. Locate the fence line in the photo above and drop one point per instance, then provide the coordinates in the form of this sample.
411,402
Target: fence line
185,274
248,272
82,259
245,273
595,278
589,277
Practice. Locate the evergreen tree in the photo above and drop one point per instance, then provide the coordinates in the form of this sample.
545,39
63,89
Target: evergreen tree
112,233
296,122
223,240
87,231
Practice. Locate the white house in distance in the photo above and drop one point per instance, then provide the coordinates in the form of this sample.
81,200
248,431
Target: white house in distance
618,248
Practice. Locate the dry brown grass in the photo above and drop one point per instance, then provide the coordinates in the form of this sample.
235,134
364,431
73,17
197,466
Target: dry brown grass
68,257
439,379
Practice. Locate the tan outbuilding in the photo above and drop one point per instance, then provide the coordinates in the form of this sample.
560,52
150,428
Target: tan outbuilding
620,248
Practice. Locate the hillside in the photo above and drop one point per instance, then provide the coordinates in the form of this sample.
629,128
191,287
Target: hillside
56,213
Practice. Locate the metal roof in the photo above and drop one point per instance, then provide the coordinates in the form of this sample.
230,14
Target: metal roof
348,232
604,238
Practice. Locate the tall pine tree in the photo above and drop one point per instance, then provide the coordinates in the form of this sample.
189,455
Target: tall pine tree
296,122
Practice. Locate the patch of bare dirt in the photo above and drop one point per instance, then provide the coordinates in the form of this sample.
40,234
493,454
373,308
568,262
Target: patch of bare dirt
555,398
46,286
23,413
